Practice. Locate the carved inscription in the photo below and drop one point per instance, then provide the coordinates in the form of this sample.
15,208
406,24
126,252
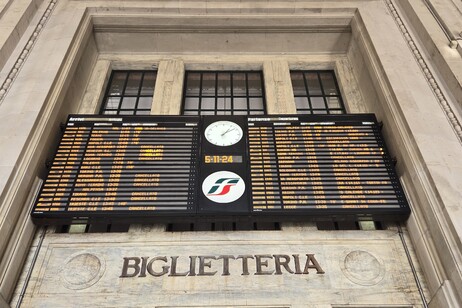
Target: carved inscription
211,265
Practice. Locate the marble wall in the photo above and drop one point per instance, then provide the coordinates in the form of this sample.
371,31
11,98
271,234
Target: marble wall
390,59
366,268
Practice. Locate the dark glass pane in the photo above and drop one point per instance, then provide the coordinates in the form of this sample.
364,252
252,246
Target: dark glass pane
207,112
128,103
224,84
191,103
143,112
224,112
126,112
221,103
314,88
112,103
317,103
256,112
240,103
133,84
208,103
256,103
145,102
333,102
189,112
301,102
117,84
149,82
328,84
208,84
239,88
298,84
224,103
193,84
255,88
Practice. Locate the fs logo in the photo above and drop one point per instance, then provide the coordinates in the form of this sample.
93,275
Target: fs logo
223,187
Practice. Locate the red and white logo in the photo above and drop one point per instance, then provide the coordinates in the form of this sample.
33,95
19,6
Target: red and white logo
223,187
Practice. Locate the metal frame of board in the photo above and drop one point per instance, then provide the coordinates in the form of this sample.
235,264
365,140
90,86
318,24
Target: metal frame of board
130,166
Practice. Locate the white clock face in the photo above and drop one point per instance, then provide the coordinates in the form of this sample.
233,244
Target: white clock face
223,133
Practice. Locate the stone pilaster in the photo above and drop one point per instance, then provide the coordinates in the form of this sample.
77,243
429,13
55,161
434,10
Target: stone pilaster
278,88
169,87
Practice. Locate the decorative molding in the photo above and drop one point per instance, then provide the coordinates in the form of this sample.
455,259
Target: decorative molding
362,267
26,50
426,71
82,270
222,29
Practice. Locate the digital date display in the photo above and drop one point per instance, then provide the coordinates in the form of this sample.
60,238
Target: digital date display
222,159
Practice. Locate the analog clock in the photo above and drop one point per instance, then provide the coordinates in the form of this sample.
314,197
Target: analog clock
223,133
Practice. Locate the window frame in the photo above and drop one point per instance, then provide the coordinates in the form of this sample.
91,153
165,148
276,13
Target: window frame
232,110
135,109
310,110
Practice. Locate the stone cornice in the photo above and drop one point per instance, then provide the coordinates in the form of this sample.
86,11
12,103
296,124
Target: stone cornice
26,50
442,100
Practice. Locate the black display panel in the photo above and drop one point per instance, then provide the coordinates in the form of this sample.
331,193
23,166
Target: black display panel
126,166
322,165
187,168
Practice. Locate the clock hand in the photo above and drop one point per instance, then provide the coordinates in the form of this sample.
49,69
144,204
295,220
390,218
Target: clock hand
229,129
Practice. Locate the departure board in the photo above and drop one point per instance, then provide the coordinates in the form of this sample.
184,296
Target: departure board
123,165
324,163
188,168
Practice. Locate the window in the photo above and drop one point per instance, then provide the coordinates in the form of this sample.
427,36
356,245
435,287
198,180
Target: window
223,93
129,93
316,92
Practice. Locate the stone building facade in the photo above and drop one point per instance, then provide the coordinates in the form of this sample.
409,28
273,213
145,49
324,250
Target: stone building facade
401,60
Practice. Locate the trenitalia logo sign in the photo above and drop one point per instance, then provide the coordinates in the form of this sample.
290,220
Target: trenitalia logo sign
223,187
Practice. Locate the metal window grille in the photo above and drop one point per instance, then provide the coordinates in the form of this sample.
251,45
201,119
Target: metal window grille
316,92
224,93
129,93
